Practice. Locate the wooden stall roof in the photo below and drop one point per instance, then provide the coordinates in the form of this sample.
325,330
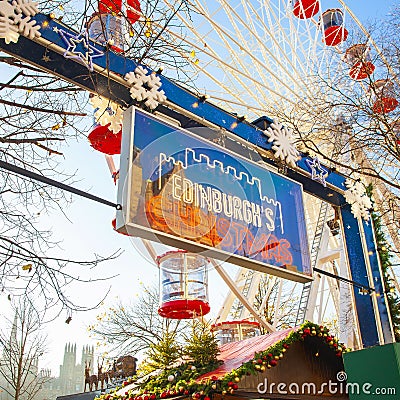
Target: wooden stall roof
235,354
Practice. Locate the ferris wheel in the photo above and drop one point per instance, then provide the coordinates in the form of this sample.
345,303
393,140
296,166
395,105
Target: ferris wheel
258,58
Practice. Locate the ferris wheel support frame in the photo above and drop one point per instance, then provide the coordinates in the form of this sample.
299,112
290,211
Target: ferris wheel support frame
349,329
107,80
233,10
231,284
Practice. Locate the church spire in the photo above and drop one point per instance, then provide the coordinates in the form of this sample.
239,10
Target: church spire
13,335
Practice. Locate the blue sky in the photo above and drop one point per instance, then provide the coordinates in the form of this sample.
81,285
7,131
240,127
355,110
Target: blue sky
88,231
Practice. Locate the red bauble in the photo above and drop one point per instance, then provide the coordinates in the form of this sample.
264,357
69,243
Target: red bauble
273,363
235,386
104,140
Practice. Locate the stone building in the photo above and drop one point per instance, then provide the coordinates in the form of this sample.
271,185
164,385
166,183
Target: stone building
71,377
72,374
44,386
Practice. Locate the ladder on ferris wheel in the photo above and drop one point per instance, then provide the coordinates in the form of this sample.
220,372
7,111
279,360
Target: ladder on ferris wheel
237,308
315,248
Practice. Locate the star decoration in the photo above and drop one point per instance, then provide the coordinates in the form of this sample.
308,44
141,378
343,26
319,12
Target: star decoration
79,48
46,58
318,173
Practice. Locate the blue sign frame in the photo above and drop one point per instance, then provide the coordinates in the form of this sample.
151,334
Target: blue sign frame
194,194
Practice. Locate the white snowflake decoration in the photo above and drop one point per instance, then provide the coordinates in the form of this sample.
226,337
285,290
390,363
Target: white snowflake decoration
145,87
15,18
283,143
356,196
107,112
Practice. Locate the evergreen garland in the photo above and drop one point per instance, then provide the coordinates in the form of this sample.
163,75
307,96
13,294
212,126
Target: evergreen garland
384,257
186,376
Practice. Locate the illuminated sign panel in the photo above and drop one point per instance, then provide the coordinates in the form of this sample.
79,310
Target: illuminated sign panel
191,193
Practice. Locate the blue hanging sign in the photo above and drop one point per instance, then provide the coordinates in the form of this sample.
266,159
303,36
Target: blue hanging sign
181,189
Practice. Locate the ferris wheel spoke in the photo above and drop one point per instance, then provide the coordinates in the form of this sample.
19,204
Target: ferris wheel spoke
225,88
236,73
254,34
243,48
257,55
275,21
223,33
277,50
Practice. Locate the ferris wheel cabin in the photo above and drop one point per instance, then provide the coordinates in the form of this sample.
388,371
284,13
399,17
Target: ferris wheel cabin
106,26
233,331
334,31
114,7
305,8
106,29
396,131
133,10
357,57
183,285
383,96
